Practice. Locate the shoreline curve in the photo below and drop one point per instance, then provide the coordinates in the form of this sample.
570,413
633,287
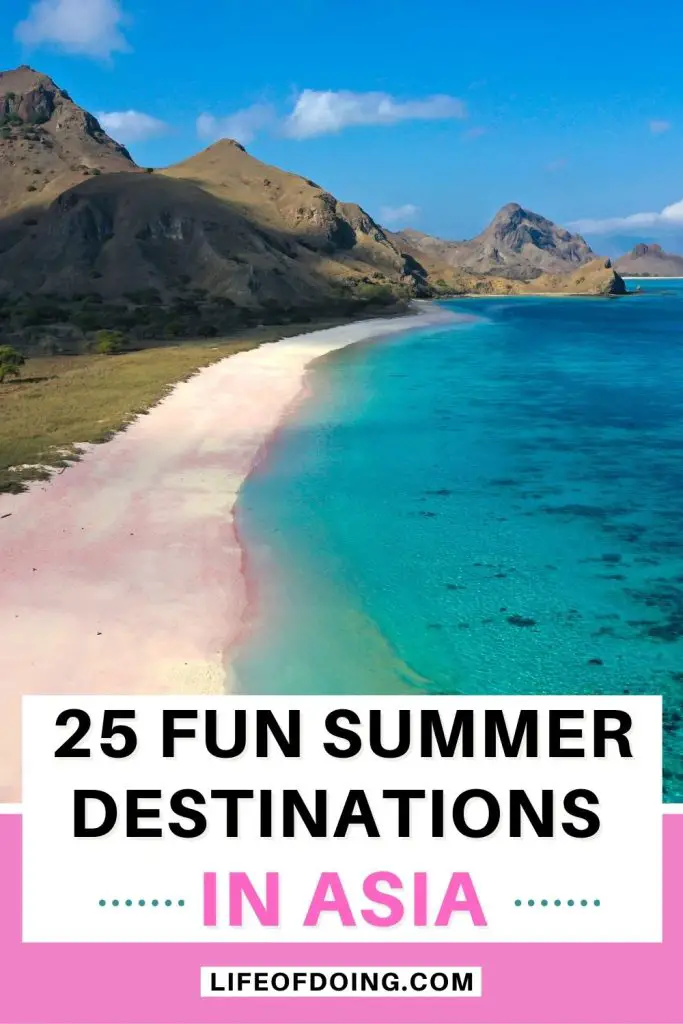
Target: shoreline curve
124,574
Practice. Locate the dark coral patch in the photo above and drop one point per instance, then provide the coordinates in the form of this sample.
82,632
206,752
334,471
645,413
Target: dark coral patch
521,620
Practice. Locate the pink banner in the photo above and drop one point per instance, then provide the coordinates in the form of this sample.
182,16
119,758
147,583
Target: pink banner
159,984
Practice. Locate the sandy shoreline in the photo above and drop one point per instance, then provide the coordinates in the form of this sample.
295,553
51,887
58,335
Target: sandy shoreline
123,573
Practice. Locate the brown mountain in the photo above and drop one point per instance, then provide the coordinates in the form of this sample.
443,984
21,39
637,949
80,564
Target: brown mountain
650,261
120,233
517,244
78,216
126,233
47,143
342,239
215,240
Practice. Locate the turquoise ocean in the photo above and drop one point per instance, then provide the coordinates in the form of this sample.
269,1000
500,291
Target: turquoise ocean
495,506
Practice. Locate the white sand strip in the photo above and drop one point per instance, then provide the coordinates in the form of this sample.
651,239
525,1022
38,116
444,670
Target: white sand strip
123,574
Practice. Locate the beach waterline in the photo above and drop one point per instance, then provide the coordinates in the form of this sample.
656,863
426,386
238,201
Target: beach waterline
124,574
493,509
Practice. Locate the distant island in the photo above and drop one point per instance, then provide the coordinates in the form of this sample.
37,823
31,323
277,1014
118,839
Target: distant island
650,261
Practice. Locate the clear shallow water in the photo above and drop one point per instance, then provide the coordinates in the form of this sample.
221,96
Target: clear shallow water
493,508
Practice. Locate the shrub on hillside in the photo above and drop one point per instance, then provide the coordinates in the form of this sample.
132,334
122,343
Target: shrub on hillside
110,343
380,294
11,362
174,329
39,313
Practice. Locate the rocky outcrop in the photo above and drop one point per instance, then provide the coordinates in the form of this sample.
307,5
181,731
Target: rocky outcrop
47,143
598,277
34,106
517,244
650,261
523,244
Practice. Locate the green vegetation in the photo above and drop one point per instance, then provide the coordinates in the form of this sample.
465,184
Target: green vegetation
11,362
64,401
36,324
370,293
442,287
110,343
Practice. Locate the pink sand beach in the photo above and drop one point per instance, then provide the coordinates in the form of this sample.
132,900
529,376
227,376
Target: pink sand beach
123,573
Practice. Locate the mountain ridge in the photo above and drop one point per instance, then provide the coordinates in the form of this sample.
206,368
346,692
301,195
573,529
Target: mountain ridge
216,240
517,243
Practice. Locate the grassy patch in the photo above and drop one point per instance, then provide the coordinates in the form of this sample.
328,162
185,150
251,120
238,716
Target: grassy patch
63,401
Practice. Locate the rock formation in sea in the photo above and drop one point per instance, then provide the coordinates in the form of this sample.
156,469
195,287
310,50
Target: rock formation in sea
650,260
517,244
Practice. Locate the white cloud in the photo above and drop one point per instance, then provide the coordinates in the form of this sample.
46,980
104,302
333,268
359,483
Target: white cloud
132,125
319,113
474,133
659,127
399,214
89,27
670,216
242,126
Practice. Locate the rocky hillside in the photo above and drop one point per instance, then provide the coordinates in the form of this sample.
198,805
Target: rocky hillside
517,244
597,277
78,216
343,238
650,261
88,240
47,143
123,234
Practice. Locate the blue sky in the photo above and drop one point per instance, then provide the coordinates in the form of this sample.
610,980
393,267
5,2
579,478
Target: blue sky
434,114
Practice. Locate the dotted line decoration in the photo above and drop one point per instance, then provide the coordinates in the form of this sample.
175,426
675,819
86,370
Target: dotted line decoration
142,903
557,903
